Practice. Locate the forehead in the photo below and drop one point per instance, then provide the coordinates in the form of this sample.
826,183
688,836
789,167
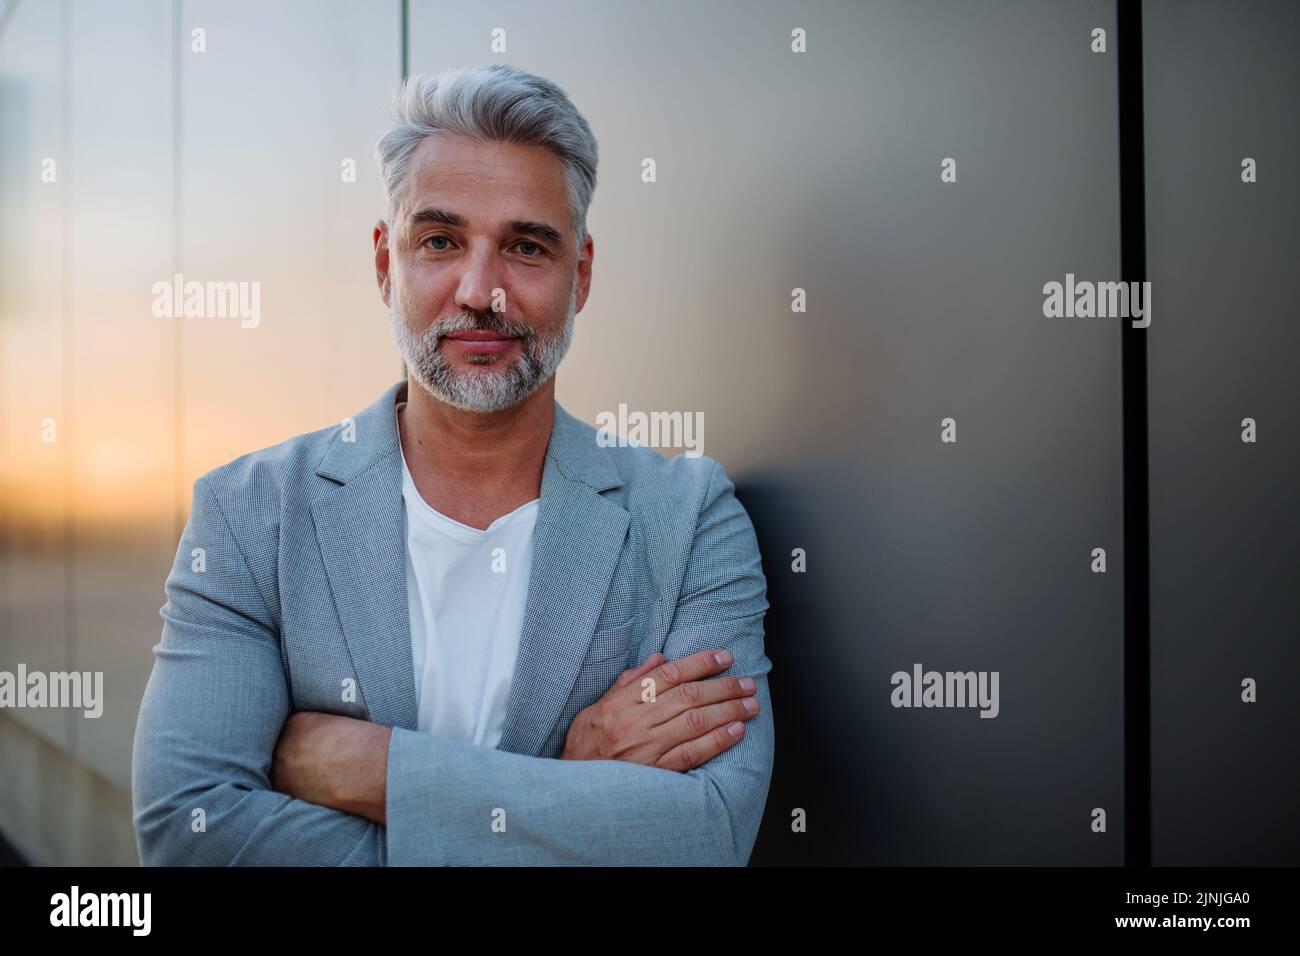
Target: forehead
487,183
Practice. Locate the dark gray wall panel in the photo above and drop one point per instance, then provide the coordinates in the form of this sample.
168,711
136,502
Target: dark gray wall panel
1222,84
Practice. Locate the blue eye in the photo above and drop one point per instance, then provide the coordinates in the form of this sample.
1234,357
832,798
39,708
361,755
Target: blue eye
432,238
534,245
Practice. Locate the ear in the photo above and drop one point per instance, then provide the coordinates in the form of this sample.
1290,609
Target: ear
382,276
586,255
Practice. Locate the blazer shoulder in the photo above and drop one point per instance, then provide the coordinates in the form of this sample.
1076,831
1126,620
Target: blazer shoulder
684,485
270,472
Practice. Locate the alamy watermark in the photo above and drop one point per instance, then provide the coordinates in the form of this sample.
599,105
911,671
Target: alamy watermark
1102,300
75,908
657,429
208,300
947,689
57,689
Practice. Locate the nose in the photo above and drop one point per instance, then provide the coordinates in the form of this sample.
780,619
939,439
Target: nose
479,278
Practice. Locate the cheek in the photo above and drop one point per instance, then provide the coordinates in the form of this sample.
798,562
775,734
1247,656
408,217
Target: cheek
544,305
420,293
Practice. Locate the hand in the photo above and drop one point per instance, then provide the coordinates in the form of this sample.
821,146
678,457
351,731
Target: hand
333,761
690,721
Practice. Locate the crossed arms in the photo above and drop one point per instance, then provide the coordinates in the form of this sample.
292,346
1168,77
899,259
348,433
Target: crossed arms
217,702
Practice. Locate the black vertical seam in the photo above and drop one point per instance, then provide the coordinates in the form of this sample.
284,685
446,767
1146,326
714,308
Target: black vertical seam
1133,348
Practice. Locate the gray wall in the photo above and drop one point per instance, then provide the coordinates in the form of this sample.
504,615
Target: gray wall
1223,84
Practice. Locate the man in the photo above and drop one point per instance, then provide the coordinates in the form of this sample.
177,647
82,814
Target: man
406,639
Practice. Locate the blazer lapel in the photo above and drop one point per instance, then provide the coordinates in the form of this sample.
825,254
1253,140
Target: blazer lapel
362,535
577,540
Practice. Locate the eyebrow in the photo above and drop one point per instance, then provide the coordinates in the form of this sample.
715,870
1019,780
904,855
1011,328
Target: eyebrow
525,227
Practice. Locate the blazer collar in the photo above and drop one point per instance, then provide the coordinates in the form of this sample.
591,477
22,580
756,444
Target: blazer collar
577,540
572,445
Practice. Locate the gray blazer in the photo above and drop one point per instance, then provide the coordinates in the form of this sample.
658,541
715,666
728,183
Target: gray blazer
299,592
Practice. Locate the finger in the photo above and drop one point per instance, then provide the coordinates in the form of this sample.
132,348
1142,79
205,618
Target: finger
690,668
694,694
698,721
701,750
632,673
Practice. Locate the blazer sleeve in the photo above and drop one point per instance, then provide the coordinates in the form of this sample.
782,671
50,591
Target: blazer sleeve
452,802
212,713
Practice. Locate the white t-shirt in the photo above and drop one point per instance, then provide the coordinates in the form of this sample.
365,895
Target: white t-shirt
466,602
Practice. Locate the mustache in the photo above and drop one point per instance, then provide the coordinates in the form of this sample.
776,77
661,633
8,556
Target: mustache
475,321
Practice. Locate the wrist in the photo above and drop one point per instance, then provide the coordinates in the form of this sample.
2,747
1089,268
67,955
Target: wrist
361,783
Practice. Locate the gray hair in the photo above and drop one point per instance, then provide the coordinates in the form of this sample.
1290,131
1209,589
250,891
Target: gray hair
494,102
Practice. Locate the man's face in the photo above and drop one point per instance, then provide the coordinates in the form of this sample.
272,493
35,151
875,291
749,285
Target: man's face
482,226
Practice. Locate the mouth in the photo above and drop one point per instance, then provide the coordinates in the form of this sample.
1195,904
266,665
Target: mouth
482,342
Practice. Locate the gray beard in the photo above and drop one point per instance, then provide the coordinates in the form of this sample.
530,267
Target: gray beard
496,386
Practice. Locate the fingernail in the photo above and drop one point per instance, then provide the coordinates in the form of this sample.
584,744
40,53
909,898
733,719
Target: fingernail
751,705
747,683
723,657
735,729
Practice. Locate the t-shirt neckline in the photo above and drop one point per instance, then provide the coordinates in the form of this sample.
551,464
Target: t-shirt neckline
450,524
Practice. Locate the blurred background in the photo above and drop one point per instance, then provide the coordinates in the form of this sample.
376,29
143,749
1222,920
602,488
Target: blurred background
128,155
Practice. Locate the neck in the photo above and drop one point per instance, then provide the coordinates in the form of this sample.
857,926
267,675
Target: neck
477,456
